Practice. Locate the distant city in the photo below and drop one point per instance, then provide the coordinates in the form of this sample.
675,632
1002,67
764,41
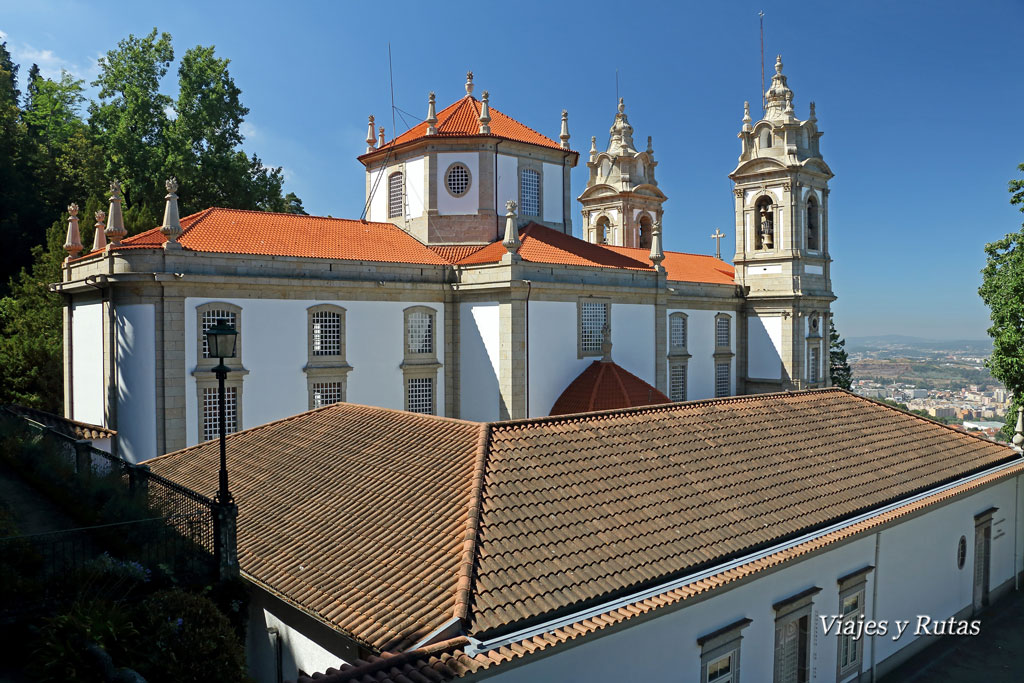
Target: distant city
944,380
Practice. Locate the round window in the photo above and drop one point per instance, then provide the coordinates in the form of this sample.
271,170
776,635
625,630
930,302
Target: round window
814,323
961,552
457,179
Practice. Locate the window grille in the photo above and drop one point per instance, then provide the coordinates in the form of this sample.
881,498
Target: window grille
813,362
457,179
722,336
421,395
395,204
420,332
210,318
677,332
326,393
529,192
326,333
677,382
593,318
211,412
722,379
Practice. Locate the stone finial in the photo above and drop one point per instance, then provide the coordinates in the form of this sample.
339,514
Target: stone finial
431,116
778,64
657,252
593,147
606,344
746,117
171,229
775,99
485,113
380,137
469,84
621,134
115,231
788,111
622,105
813,116
99,239
564,135
1018,432
370,137
511,241
73,243
650,144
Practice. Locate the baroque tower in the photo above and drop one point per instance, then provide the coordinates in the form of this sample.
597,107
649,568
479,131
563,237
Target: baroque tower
782,259
622,201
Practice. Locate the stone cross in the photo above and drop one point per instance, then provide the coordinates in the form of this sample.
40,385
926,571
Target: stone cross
717,236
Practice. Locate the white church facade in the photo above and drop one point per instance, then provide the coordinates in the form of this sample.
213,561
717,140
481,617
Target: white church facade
463,292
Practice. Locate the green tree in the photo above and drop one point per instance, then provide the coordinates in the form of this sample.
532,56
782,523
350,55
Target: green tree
14,184
1002,290
839,363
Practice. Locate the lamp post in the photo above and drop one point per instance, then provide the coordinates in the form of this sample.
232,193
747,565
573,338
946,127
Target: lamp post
221,340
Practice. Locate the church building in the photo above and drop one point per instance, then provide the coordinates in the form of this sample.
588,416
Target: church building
464,291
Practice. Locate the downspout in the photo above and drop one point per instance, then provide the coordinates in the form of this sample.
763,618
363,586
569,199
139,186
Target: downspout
874,602
497,216
529,289
69,409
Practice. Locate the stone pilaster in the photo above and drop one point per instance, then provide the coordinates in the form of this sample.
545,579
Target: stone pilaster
512,350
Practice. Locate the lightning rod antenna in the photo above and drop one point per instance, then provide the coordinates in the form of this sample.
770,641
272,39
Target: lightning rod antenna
761,15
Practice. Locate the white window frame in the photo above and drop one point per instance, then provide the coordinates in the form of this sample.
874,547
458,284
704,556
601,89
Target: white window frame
851,585
524,198
232,412
419,364
587,344
325,368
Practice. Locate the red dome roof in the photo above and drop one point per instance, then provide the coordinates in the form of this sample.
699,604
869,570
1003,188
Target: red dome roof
606,386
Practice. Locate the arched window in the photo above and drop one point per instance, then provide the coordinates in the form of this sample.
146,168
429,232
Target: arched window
645,232
812,224
603,230
764,222
766,138
395,203
529,192
421,364
326,369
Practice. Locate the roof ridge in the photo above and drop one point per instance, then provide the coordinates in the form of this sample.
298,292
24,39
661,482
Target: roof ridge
386,660
467,563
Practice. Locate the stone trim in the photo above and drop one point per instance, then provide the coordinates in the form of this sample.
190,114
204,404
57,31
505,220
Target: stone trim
985,516
207,363
721,643
793,603
208,380
420,365
447,175
854,578
333,360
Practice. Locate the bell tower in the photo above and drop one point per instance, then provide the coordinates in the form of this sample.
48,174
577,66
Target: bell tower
782,258
622,201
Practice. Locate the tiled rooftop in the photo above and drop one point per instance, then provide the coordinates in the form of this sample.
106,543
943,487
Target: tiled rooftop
67,427
606,386
388,523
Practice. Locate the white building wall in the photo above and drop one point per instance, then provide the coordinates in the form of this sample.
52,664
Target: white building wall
136,382
700,344
508,181
551,205
633,339
552,353
87,362
274,351
467,204
919,578
414,191
378,210
480,394
764,347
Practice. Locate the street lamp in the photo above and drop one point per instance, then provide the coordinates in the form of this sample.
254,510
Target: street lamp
221,340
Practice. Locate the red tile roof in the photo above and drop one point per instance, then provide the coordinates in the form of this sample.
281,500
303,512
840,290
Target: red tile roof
386,523
687,267
606,386
235,231
453,253
461,119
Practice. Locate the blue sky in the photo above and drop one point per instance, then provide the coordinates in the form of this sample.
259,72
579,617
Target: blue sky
919,101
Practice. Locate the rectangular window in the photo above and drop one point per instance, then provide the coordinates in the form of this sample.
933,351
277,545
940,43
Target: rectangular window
529,192
677,332
420,332
593,318
722,380
326,393
721,670
677,382
813,364
720,653
849,647
326,333
722,336
792,649
395,203
211,412
210,318
421,395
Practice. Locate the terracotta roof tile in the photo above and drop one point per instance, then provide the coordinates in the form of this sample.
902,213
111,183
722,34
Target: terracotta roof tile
388,523
461,119
68,427
453,253
606,386
541,244
687,267
234,231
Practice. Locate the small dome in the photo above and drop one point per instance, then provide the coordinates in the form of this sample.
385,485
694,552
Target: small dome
606,386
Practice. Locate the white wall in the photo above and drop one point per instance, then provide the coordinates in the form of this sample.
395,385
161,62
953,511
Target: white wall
87,362
378,210
136,382
633,339
552,202
480,394
916,573
414,193
764,347
298,652
273,342
508,181
467,204
700,344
